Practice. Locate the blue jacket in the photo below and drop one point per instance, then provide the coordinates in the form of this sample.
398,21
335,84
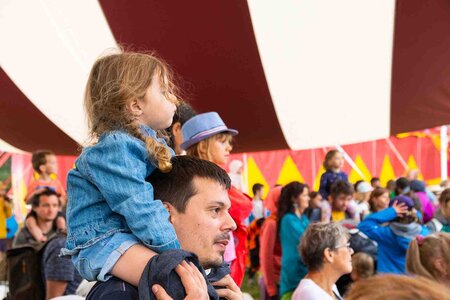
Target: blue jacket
391,247
293,269
107,193
327,179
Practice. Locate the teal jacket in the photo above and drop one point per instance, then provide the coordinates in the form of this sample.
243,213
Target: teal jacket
292,267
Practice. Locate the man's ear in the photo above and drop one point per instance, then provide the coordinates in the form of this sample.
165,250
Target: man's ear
171,210
176,128
134,107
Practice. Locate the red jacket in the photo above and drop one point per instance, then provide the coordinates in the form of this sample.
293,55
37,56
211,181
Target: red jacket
241,207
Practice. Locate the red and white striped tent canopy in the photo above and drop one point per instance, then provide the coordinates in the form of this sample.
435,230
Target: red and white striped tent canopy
287,74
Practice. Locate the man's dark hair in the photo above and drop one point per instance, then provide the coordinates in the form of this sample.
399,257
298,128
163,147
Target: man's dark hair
176,187
39,158
256,187
183,113
36,200
373,180
401,184
341,187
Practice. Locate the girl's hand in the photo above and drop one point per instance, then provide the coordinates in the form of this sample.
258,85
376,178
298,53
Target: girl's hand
400,209
193,281
230,289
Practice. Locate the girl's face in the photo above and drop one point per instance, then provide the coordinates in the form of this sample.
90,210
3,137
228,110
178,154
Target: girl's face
382,202
220,149
337,161
303,199
157,107
316,201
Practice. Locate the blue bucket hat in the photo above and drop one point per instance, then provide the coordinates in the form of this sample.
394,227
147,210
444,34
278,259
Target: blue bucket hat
201,127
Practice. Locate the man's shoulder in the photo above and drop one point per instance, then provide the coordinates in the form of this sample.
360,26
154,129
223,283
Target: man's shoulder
23,238
112,289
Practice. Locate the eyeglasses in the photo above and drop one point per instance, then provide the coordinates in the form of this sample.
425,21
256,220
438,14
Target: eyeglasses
345,245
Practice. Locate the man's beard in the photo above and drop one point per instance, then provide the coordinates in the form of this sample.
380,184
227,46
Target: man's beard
214,263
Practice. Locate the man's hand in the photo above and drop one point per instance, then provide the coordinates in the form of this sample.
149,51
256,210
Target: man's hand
230,289
193,281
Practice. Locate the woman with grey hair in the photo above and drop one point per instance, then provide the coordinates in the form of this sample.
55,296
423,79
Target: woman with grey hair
326,251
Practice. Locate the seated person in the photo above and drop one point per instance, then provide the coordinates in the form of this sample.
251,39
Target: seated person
195,194
397,287
60,276
326,251
337,209
393,239
44,164
428,257
441,219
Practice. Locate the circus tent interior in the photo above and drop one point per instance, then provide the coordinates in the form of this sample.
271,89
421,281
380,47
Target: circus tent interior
296,79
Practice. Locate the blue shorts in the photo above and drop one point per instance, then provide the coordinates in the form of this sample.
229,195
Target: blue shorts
96,261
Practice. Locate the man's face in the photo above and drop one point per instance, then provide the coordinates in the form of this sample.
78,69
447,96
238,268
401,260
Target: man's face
340,203
177,138
48,208
204,228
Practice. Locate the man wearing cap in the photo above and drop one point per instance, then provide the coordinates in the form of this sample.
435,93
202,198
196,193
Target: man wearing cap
207,137
393,239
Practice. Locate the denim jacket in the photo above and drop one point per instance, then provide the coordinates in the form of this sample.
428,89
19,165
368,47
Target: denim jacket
107,194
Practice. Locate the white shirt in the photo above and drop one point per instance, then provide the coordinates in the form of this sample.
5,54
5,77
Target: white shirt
258,209
309,290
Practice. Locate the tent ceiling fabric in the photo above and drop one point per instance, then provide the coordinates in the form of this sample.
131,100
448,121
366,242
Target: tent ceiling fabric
297,74
316,63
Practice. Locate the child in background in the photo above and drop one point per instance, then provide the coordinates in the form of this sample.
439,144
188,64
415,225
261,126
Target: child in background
5,213
333,163
362,266
44,164
379,199
362,197
115,226
314,211
428,257
441,219
207,137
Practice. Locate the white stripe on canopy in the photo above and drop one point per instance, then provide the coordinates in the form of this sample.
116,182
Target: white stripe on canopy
48,48
328,67
4,146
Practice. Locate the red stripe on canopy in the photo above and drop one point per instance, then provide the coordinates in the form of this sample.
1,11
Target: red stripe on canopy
421,65
25,127
212,46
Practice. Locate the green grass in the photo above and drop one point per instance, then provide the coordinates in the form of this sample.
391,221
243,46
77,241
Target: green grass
251,287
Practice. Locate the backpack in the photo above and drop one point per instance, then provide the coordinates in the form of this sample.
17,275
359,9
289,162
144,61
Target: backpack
24,273
361,243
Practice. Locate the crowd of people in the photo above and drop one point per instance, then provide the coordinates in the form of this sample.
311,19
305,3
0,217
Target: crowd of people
150,212
329,240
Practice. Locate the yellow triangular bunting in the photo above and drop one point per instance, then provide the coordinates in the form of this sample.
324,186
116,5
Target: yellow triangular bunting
387,171
317,179
289,172
354,176
255,176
